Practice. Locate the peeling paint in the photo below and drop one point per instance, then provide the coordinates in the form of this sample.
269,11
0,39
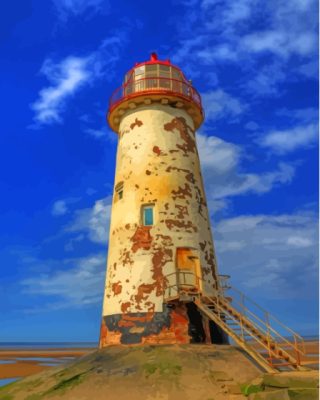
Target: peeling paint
182,192
137,123
141,238
116,288
181,126
156,150
158,164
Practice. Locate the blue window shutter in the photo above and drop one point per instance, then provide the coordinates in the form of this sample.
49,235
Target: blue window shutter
148,216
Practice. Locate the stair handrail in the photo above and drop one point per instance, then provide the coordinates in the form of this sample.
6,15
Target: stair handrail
298,340
222,311
267,312
272,350
267,333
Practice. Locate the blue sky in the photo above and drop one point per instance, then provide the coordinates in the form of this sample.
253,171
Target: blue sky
255,64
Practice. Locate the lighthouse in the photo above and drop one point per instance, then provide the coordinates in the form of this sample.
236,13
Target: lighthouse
161,254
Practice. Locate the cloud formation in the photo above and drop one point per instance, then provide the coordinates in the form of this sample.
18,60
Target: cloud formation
289,140
94,222
69,75
224,177
70,283
219,104
59,208
264,42
270,255
65,77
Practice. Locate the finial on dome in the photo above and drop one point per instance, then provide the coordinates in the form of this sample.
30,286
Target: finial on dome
153,57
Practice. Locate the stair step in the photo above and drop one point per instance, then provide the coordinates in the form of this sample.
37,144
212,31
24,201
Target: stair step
239,325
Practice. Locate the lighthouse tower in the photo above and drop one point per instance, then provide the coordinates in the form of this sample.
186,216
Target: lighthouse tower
161,250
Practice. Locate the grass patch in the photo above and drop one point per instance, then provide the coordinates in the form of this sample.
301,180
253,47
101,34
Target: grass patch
248,389
7,397
34,397
163,368
66,384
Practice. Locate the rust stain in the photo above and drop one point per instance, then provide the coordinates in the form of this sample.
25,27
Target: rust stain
176,333
126,258
125,324
137,123
182,127
187,225
103,335
143,289
141,239
159,259
117,288
125,306
180,322
189,174
148,172
147,317
181,193
127,226
108,337
182,211
165,240
156,150
201,202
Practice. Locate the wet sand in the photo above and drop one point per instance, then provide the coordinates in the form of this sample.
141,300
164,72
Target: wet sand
18,363
311,357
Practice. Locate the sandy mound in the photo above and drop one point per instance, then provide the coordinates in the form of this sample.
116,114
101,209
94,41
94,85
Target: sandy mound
147,372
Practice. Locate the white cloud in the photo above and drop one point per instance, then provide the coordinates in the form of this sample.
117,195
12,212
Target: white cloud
298,241
305,115
59,208
73,282
94,221
69,75
66,77
252,126
275,256
281,42
223,175
102,133
266,81
310,70
291,139
242,33
218,104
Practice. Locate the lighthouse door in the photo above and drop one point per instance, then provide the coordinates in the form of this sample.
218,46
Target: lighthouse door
188,270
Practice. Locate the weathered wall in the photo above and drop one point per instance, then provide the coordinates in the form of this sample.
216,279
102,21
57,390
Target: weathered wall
158,163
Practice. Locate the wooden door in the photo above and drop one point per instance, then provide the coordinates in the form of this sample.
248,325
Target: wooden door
189,269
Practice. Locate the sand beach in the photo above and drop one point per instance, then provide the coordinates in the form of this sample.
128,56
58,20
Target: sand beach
19,363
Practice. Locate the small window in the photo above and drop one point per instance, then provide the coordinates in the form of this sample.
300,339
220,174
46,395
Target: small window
147,215
118,191
139,70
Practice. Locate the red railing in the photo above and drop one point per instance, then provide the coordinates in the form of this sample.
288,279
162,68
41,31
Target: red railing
152,85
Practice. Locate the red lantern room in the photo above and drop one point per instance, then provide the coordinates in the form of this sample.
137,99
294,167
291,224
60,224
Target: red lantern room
155,81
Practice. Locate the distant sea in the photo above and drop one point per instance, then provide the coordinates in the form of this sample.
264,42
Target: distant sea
73,345
46,345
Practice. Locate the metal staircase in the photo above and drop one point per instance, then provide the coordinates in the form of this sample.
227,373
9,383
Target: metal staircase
264,338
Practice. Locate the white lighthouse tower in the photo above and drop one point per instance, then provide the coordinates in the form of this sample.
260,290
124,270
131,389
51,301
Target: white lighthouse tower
160,244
